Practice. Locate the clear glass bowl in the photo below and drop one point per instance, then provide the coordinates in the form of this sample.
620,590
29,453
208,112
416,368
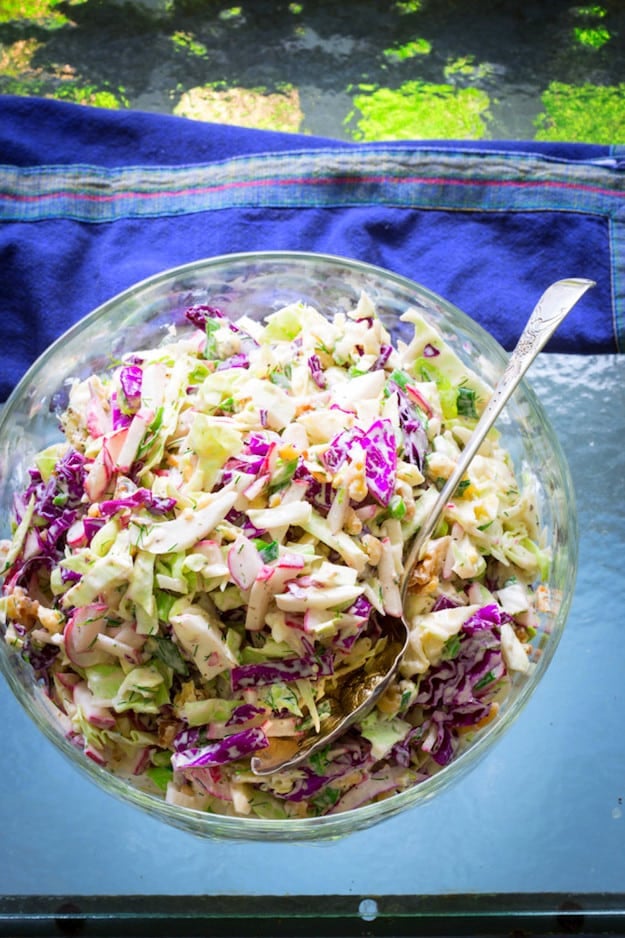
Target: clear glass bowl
257,284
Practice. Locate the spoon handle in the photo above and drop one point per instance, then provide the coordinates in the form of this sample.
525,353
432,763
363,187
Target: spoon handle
555,303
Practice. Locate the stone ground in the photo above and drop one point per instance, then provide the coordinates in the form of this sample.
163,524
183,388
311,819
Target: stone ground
354,70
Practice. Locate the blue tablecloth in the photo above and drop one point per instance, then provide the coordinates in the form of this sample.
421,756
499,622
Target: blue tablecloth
92,201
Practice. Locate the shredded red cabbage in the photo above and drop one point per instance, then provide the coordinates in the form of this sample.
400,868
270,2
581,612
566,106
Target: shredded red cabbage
243,713
487,617
444,602
379,446
284,669
340,759
56,508
456,692
339,447
383,357
240,360
307,784
140,498
241,521
401,752
197,315
380,460
257,444
119,419
91,526
316,371
416,442
224,750
190,738
360,610
40,659
131,381
319,494
64,488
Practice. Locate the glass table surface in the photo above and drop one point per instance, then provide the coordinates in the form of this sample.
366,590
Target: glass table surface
535,834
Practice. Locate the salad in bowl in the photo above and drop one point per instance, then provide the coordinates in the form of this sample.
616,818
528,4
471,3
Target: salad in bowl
207,554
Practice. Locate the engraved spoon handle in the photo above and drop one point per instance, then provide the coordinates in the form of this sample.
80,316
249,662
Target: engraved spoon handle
555,303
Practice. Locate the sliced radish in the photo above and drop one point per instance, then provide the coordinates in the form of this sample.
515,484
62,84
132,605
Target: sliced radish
254,489
244,562
269,459
258,601
121,643
419,399
81,633
212,781
320,622
128,634
114,442
95,713
76,536
269,581
67,678
99,475
366,512
64,684
287,568
98,420
137,762
95,755
209,549
134,434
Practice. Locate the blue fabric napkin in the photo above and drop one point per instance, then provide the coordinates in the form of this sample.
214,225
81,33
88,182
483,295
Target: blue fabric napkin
92,201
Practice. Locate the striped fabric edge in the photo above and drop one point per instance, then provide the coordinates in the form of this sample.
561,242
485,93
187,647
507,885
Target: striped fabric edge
411,177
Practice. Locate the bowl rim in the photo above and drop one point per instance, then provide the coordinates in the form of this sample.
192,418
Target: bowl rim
153,280
294,829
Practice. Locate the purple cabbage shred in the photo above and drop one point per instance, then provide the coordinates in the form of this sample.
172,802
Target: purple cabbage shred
456,693
316,371
131,380
383,357
415,438
284,669
141,498
229,749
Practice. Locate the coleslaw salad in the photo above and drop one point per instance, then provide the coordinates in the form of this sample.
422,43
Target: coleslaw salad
207,555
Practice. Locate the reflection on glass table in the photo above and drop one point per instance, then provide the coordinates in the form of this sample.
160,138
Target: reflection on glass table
542,815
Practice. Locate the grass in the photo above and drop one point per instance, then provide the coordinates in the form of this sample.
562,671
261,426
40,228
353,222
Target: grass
584,113
419,110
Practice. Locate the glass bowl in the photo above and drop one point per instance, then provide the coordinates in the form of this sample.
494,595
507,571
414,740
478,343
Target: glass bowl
257,284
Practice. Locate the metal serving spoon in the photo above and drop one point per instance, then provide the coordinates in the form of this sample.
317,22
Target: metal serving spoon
357,694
